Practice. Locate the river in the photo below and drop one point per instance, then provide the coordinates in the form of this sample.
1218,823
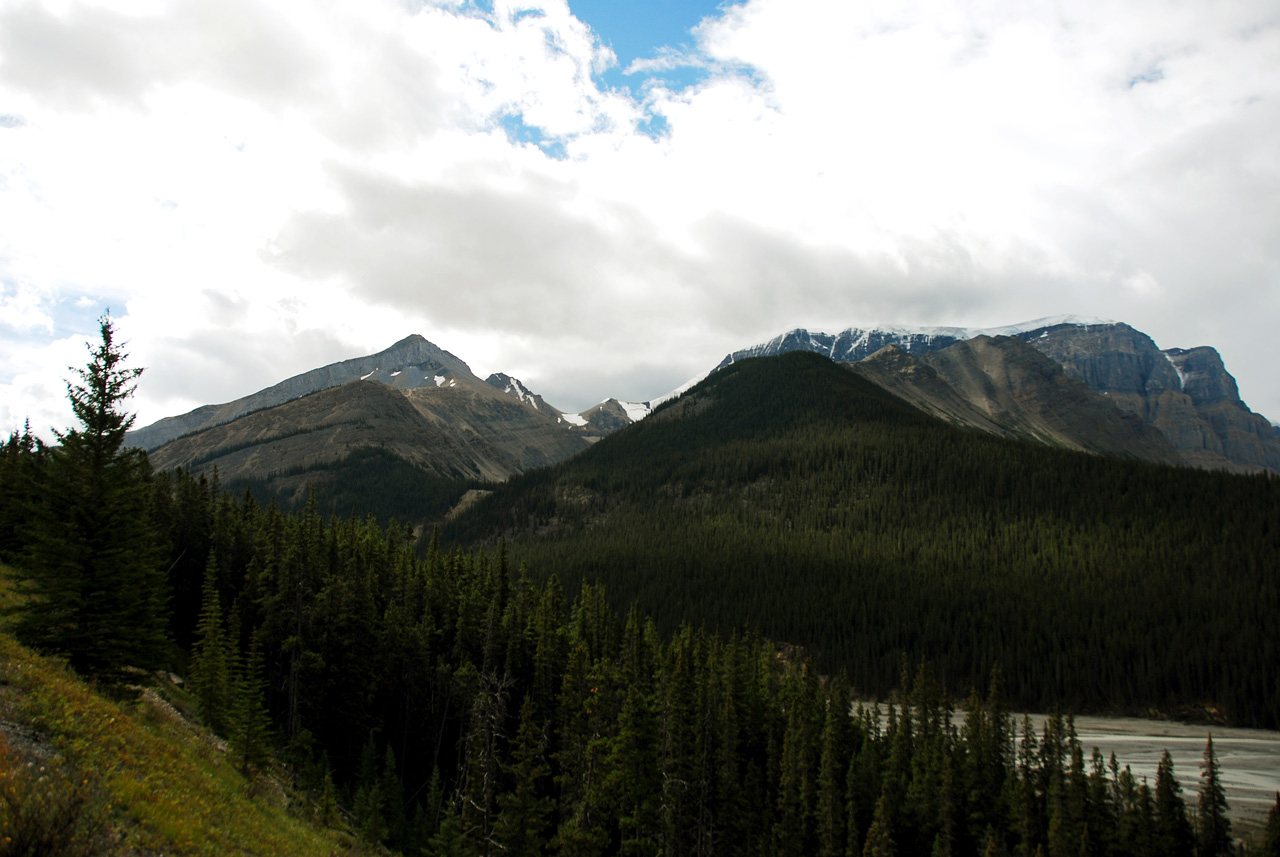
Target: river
1249,758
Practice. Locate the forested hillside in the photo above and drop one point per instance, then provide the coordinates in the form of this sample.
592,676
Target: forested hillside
795,496
447,706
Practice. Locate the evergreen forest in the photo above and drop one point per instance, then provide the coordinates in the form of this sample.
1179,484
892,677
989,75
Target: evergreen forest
516,684
795,496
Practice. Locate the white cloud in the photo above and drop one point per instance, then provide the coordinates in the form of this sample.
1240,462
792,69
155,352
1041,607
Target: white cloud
256,188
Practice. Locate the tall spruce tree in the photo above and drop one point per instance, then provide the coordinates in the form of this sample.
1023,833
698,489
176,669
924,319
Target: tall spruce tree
249,721
1173,833
1213,828
212,659
96,592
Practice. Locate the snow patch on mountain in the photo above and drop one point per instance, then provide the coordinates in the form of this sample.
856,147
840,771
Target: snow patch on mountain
967,333
520,391
678,391
636,410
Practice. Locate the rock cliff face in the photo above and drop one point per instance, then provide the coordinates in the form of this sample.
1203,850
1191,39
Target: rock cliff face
1003,386
1245,437
1186,393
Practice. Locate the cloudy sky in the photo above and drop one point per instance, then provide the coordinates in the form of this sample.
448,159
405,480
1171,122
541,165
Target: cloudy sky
603,198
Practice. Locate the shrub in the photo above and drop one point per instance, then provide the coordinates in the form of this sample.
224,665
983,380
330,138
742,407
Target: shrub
47,810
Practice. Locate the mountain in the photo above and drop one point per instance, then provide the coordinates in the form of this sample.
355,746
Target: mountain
1004,386
412,406
1076,382
514,387
1186,394
453,431
411,362
593,423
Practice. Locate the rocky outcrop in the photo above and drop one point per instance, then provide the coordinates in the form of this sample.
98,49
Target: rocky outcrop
592,424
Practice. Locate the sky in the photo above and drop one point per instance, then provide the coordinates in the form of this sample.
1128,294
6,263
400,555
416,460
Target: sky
604,198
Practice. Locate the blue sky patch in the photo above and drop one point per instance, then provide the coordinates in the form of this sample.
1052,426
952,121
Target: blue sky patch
638,29
520,132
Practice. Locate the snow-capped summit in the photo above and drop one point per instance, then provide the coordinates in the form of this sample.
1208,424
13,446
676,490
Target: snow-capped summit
853,343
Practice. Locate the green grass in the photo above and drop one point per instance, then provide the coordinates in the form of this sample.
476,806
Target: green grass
150,782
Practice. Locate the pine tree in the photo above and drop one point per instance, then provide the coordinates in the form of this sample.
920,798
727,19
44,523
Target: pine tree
880,836
832,765
250,724
634,780
527,808
1172,830
1213,834
211,660
370,820
392,794
20,460
91,570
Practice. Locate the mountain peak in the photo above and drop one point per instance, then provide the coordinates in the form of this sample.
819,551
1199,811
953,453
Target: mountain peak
515,387
415,350
388,366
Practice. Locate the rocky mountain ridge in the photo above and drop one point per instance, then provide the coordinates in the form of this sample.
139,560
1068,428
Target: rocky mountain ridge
854,344
411,362
1186,394
1003,386
1082,383
413,401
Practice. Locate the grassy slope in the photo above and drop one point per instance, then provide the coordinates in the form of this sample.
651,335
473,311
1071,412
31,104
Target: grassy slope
164,786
